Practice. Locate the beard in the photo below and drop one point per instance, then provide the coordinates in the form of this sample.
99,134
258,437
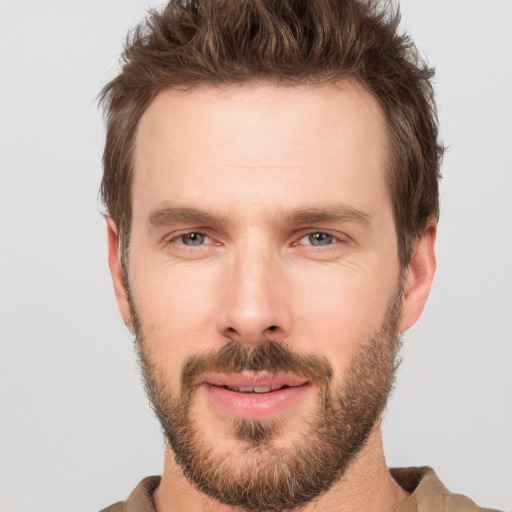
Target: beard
263,476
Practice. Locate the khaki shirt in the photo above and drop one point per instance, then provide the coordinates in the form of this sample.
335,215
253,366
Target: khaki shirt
428,494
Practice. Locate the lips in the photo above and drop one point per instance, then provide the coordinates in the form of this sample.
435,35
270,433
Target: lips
251,396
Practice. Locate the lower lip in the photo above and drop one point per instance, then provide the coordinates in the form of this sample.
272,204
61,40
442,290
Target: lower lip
255,405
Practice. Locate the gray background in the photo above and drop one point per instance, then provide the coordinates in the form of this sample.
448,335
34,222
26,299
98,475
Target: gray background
76,431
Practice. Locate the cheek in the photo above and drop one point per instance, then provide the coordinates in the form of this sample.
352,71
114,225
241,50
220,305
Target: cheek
172,309
175,307
337,309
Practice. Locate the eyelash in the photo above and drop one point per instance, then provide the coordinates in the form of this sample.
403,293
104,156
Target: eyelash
332,238
178,239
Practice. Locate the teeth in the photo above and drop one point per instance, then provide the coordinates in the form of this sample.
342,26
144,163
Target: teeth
262,390
257,389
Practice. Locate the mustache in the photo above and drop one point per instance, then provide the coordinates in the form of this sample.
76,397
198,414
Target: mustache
270,356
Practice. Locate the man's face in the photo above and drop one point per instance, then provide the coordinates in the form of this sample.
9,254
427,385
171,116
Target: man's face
264,282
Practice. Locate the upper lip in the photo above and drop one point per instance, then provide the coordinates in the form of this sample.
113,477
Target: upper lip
253,380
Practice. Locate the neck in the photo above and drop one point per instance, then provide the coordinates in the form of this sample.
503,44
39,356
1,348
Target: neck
366,486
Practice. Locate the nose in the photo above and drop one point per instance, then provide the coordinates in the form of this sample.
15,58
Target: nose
254,302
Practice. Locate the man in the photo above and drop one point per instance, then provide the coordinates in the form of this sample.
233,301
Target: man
271,179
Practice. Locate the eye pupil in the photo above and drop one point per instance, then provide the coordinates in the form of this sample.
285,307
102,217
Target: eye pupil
319,239
193,239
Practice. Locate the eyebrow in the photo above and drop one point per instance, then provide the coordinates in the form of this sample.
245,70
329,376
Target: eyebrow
335,213
166,216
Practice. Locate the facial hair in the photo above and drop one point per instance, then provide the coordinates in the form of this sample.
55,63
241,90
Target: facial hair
275,478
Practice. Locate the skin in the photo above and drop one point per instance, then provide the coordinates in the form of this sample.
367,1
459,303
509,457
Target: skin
252,157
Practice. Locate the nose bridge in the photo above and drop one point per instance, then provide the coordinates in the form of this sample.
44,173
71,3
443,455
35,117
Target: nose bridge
254,307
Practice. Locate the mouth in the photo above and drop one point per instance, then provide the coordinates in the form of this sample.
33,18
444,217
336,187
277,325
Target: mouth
250,396
255,389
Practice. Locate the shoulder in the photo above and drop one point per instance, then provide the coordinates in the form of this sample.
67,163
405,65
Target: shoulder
429,493
140,500
120,506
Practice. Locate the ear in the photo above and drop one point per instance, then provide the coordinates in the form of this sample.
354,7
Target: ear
116,271
418,278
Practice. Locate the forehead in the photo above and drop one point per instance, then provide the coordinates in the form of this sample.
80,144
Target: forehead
258,139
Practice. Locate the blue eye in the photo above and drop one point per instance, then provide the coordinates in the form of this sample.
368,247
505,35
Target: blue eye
193,239
318,239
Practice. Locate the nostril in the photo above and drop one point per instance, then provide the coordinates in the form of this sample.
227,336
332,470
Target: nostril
272,328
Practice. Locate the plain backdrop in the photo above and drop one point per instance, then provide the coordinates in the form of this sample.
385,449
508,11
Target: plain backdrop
76,432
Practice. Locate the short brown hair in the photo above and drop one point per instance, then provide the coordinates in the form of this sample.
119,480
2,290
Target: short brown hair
191,42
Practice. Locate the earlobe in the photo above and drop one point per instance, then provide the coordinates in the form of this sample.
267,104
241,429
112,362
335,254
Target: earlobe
116,271
418,278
